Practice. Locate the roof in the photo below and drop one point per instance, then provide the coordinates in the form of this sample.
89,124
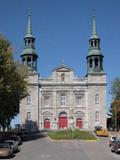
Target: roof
29,51
94,52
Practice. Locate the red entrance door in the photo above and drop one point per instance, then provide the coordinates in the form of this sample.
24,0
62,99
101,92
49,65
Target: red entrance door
63,122
47,124
79,123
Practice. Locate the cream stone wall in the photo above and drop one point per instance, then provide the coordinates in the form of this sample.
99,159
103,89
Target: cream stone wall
72,86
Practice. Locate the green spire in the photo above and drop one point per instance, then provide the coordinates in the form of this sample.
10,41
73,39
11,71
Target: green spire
94,26
95,57
94,31
29,55
29,27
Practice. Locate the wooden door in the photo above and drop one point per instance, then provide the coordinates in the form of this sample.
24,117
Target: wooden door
47,124
79,123
63,123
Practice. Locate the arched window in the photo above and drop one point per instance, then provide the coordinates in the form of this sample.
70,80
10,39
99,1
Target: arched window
91,43
32,40
63,77
62,100
46,100
29,41
26,42
95,43
28,116
29,61
29,100
96,62
90,63
23,60
97,99
78,99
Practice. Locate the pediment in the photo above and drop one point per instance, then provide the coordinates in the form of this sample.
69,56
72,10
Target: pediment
47,113
79,113
63,69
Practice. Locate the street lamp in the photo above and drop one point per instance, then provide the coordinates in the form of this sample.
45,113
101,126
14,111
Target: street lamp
72,125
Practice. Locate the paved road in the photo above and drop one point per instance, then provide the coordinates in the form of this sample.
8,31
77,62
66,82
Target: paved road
45,149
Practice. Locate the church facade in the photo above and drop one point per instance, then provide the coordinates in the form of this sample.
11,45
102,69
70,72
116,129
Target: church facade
64,100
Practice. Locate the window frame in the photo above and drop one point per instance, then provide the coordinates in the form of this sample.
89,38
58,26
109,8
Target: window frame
97,99
79,100
62,100
97,116
28,116
29,100
46,100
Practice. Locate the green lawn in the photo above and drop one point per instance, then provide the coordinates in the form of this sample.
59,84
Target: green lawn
68,134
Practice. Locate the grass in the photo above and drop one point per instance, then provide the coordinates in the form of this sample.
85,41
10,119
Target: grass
68,134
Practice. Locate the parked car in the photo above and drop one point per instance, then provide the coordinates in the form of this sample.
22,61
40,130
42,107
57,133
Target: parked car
22,135
115,147
111,140
98,128
99,131
17,139
13,145
5,150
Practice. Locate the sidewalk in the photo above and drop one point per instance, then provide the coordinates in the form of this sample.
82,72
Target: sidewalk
114,133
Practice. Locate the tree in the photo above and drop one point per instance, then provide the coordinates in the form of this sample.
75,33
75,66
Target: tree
115,110
115,88
13,86
115,105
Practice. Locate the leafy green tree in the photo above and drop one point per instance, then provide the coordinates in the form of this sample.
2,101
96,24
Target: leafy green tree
115,105
13,86
115,110
115,88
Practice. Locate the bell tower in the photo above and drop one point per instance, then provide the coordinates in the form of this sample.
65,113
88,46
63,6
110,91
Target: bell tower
95,57
29,55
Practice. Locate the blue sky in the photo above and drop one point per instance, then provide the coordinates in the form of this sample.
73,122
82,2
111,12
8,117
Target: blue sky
62,29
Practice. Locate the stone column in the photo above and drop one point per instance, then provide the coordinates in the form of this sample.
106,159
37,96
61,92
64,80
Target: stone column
86,110
40,110
54,110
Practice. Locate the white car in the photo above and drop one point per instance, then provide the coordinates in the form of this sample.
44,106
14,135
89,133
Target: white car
13,145
17,139
5,150
111,140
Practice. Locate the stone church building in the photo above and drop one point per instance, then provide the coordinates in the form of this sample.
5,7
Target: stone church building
63,100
